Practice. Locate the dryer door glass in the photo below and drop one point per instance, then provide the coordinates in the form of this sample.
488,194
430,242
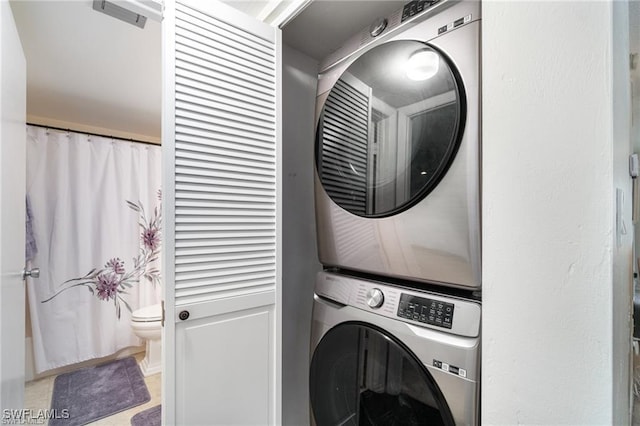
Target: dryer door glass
362,376
390,128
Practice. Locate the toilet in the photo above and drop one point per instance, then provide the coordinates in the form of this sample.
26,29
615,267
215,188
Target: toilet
147,325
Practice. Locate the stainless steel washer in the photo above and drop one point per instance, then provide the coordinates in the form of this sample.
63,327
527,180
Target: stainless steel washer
397,183
384,355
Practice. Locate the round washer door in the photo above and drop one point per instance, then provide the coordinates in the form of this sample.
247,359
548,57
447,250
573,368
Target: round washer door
361,375
390,128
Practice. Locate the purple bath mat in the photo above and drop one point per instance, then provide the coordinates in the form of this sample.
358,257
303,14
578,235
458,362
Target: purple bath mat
90,394
150,417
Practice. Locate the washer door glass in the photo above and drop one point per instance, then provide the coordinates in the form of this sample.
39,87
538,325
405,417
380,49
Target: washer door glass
362,376
390,128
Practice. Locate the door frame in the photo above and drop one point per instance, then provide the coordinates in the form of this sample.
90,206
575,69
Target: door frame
12,217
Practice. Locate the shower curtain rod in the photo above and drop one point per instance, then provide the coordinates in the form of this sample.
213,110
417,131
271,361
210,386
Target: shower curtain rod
92,134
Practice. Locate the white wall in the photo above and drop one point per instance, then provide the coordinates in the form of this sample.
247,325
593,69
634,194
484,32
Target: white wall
553,306
300,258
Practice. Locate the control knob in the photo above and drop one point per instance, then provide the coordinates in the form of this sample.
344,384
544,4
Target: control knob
378,27
375,298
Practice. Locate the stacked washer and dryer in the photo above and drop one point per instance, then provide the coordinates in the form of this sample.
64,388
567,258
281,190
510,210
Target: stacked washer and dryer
395,336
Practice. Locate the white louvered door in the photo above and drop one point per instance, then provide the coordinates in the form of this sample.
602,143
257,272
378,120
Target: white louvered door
221,141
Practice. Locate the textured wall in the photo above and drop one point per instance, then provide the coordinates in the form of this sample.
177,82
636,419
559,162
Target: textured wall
549,246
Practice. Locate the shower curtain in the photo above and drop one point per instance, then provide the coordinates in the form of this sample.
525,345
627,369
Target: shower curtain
94,205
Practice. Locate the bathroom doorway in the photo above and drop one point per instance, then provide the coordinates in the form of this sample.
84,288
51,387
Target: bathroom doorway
104,84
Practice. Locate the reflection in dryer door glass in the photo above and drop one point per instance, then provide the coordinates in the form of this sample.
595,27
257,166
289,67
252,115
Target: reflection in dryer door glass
431,125
389,129
393,391
360,376
345,147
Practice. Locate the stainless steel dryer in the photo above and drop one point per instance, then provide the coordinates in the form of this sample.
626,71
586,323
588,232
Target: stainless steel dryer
387,356
397,183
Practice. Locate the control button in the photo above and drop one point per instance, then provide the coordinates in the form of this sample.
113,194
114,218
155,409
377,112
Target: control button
375,298
378,27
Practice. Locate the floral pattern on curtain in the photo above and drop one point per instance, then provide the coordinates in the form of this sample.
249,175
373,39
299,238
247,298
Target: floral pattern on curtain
96,223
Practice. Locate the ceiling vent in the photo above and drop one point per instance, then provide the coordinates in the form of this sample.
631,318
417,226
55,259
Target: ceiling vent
119,12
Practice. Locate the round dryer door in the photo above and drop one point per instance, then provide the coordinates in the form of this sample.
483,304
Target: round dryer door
362,376
390,128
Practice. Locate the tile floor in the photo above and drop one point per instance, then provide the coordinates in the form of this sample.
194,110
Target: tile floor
38,396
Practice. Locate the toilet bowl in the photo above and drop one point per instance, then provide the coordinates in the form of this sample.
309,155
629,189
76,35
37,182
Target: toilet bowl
147,325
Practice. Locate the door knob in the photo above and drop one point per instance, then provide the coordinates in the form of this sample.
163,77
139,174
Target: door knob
33,273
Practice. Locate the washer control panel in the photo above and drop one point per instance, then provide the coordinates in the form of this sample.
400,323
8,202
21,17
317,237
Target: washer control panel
428,311
420,308
414,7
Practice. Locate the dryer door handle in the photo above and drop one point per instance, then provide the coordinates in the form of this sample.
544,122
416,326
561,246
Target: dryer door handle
329,302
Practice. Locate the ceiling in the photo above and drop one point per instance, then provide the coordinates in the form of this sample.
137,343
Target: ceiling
89,69
325,25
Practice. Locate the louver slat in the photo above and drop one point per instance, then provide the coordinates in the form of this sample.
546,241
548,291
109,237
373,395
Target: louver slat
229,32
225,160
345,147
